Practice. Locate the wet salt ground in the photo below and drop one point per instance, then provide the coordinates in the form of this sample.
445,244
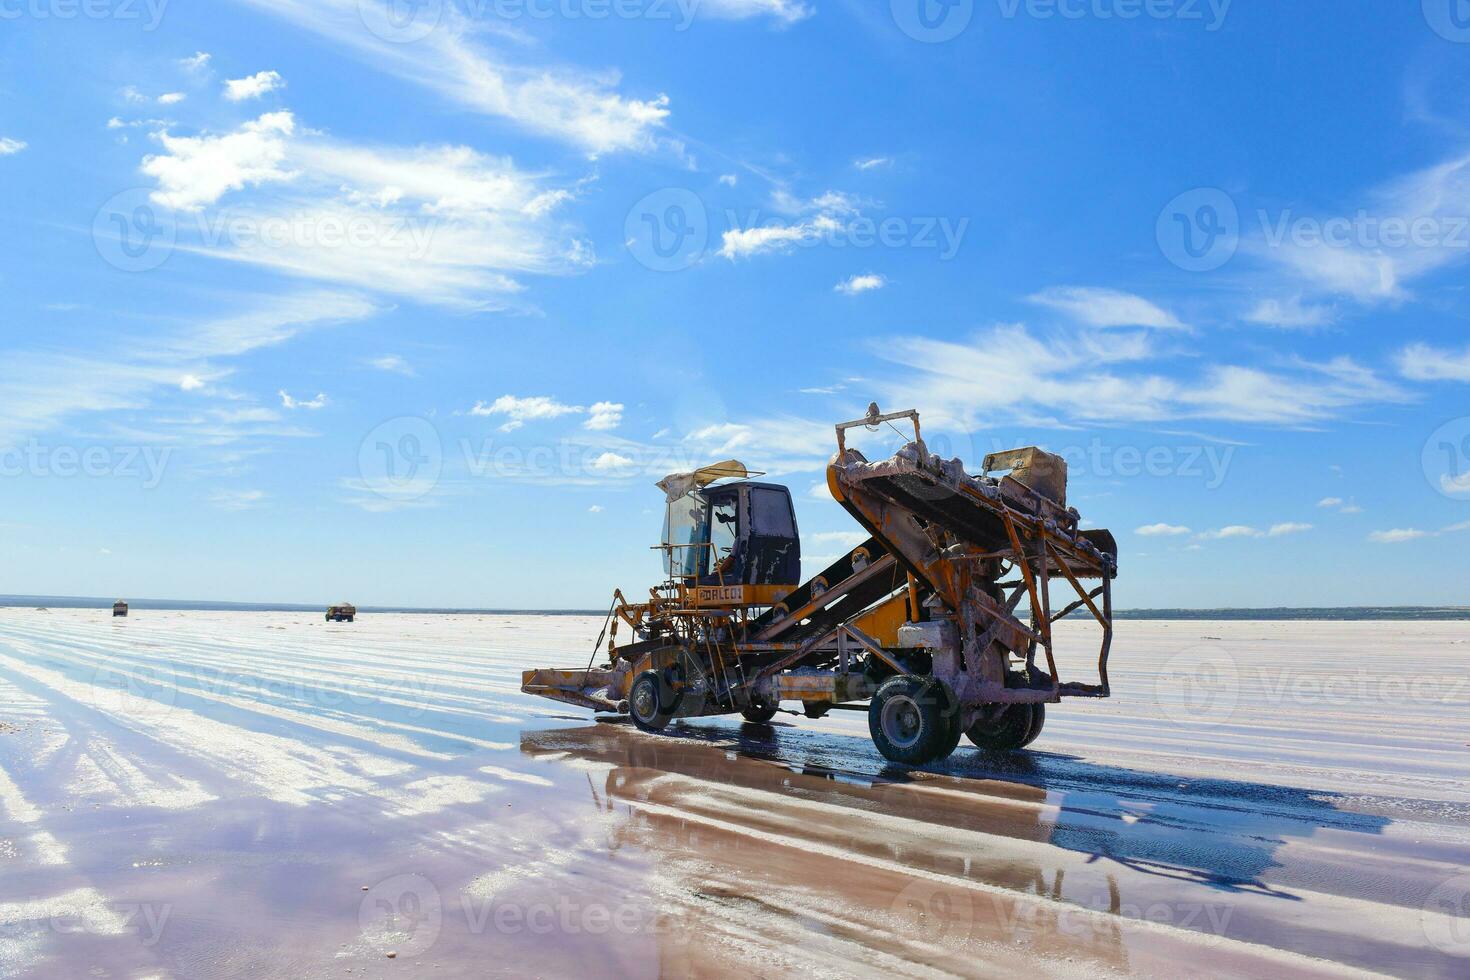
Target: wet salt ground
209,794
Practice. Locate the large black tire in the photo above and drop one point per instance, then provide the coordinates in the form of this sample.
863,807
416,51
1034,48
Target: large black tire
650,702
1011,727
759,714
950,705
908,720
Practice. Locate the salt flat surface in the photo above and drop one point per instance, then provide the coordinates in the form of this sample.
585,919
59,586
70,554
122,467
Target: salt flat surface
207,794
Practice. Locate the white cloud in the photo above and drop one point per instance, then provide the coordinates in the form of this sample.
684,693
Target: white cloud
1287,527
610,462
1105,307
131,94
1330,502
171,98
1455,485
1008,373
453,60
845,540
729,180
519,410
393,363
595,509
820,491
195,171
1398,535
253,86
871,163
1421,362
1407,229
1290,314
856,284
288,402
1233,531
1161,530
197,62
237,499
10,147
191,382
41,390
784,11
813,219
603,416
443,225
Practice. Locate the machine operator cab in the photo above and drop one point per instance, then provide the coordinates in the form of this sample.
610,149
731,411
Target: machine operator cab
729,545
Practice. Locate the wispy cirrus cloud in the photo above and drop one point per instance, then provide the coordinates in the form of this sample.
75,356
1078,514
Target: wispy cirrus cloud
40,390
1097,307
1009,373
444,225
1423,362
450,56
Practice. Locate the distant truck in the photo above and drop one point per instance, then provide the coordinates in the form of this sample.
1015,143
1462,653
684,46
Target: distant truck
119,608
344,613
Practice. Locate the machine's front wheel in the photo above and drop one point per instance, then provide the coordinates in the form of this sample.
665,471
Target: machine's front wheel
759,714
1010,727
909,721
647,704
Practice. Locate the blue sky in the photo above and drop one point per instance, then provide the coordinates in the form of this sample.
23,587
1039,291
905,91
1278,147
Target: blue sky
319,299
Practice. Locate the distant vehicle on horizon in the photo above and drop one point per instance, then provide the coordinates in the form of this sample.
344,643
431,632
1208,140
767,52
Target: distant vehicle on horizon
343,613
119,608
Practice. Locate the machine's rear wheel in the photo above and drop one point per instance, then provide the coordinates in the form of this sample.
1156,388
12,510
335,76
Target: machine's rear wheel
759,714
647,703
908,720
1006,728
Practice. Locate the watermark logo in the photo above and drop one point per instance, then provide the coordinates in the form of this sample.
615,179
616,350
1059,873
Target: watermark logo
1446,458
133,233
1450,19
401,21
1199,686
142,691
401,459
402,915
1199,231
36,459
931,909
932,21
1445,918
149,12
668,230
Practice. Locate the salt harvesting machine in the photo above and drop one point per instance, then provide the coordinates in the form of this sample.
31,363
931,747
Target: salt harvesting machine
919,625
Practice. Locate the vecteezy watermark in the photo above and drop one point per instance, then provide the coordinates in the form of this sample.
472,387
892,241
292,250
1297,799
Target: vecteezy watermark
932,21
401,21
1445,917
402,915
936,21
144,921
149,13
1199,686
1204,685
401,459
133,232
1446,458
944,913
37,459
1199,230
1208,464
137,690
1450,19
668,230
1202,229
